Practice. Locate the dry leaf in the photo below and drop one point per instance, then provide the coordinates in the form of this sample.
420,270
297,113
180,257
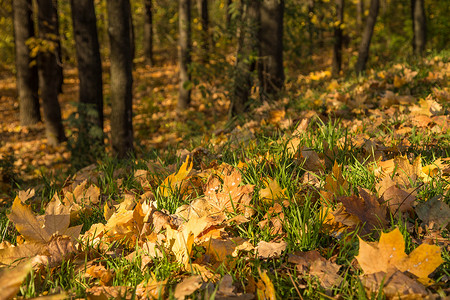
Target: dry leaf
272,191
265,289
398,200
11,279
390,252
326,272
271,249
435,211
187,287
174,181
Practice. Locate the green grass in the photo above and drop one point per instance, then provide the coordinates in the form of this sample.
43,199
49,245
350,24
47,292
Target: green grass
266,156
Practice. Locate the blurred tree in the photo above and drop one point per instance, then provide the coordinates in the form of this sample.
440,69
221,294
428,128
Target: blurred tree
27,76
121,76
360,14
418,26
228,13
247,53
271,71
363,54
89,62
148,33
132,33
48,62
337,49
184,54
202,6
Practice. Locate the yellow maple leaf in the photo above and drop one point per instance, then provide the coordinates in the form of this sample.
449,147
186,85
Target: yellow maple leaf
173,181
272,191
390,252
265,290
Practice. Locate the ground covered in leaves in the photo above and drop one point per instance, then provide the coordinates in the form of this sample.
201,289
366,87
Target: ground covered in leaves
340,189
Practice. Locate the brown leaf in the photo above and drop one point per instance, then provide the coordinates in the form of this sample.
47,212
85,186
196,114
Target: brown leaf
101,273
398,200
15,254
110,292
366,208
11,279
27,224
395,285
187,287
435,211
326,272
270,250
59,248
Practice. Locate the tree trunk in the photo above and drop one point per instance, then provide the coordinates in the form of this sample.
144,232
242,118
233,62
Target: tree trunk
271,71
58,52
202,6
245,65
337,49
184,54
227,13
148,33
419,26
363,54
121,76
132,34
48,71
310,27
360,14
89,62
27,77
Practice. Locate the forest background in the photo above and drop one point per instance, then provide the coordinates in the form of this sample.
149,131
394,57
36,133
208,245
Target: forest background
311,104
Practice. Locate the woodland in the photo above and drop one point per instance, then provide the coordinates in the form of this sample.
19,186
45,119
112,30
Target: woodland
224,149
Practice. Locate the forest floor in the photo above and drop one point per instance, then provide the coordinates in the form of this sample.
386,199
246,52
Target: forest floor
338,189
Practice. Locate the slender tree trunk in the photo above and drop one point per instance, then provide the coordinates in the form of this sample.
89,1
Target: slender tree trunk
89,62
148,33
202,6
184,54
27,76
132,33
360,14
419,26
121,76
364,47
271,71
48,71
310,27
59,58
227,13
337,49
247,48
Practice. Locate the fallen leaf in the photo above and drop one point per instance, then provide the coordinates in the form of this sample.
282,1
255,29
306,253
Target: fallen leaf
272,191
187,287
434,210
265,289
396,285
326,272
110,292
11,279
271,249
398,200
174,181
390,252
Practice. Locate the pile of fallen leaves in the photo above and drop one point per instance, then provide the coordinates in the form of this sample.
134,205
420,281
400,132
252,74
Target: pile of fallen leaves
201,235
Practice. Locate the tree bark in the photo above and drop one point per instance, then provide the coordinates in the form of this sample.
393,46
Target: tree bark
337,49
202,6
89,62
148,33
245,65
419,26
27,76
364,47
184,54
121,76
360,14
271,71
132,33
48,71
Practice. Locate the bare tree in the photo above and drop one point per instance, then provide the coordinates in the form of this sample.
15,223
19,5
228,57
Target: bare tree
364,47
419,26
89,62
148,32
337,49
271,71
184,54
27,76
48,71
245,59
121,76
